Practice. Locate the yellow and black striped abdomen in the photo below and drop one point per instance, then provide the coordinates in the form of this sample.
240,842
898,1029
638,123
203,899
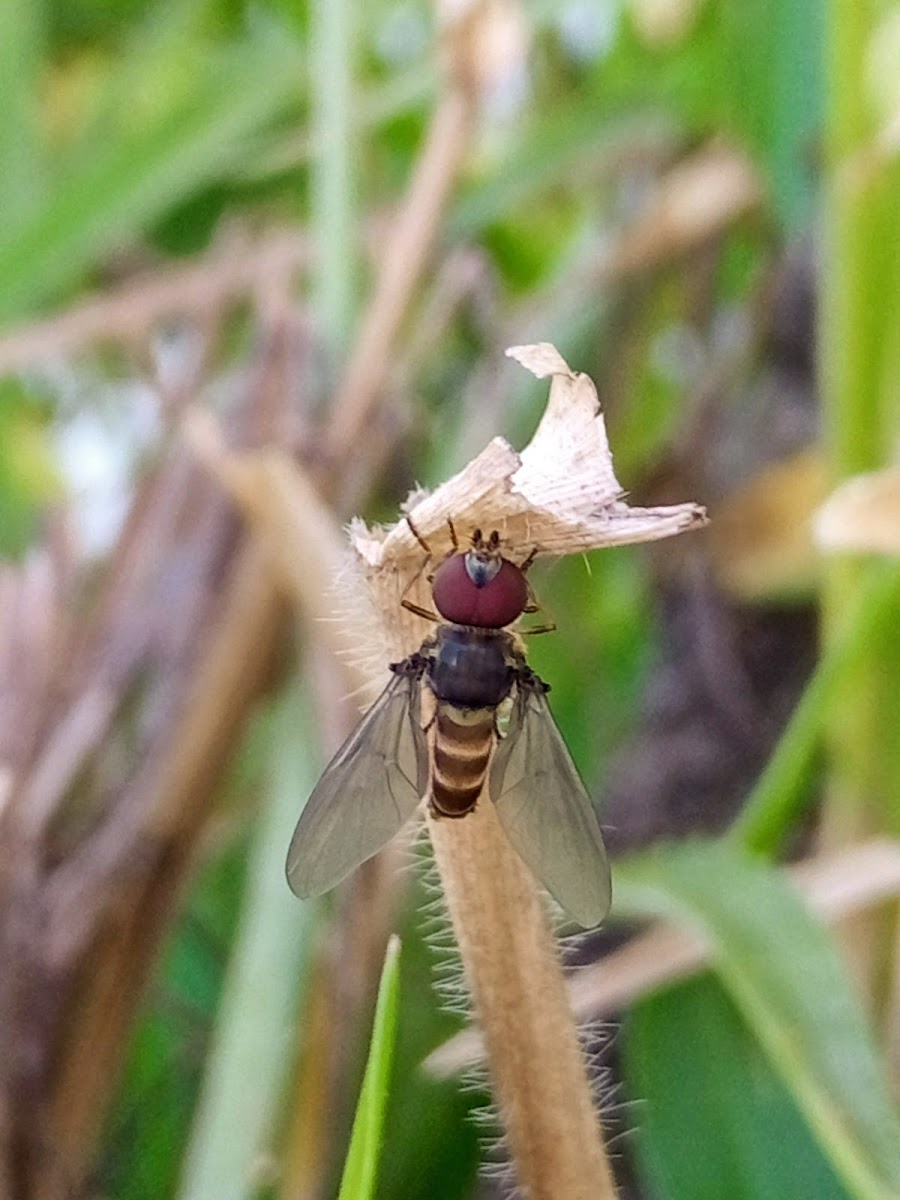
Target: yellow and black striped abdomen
463,739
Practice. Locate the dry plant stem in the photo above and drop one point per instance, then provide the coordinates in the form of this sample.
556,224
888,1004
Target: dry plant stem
835,886
513,970
232,673
126,313
401,264
557,496
186,630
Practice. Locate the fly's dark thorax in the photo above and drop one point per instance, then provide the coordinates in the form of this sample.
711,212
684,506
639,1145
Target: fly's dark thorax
470,676
470,667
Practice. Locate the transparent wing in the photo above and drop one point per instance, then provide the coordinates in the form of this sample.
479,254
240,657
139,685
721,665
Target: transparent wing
546,811
369,790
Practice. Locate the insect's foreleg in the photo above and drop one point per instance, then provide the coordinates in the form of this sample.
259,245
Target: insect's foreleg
416,665
418,535
523,567
533,605
405,601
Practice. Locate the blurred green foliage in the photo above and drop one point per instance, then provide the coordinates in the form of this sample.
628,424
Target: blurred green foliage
29,478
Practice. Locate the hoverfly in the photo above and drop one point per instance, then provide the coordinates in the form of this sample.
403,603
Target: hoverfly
472,667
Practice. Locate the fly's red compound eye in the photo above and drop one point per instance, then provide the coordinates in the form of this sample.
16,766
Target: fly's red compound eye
488,592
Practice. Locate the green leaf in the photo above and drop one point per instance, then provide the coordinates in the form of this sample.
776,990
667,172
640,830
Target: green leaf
564,146
115,190
772,70
781,969
784,787
335,220
361,1167
21,165
714,1118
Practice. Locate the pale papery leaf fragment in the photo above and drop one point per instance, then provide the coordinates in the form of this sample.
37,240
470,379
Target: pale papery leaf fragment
862,515
558,496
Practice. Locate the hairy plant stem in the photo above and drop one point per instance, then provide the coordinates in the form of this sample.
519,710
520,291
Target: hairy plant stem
513,971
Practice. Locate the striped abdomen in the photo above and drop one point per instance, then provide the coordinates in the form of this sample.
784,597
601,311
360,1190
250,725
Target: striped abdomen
463,739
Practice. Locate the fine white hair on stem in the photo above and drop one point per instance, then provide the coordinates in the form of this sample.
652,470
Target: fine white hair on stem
558,496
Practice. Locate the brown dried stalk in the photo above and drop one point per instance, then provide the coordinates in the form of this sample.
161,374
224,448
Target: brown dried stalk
237,266
835,886
147,675
483,41
558,496
401,265
519,997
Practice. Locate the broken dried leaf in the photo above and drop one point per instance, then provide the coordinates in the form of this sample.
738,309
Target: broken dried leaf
558,496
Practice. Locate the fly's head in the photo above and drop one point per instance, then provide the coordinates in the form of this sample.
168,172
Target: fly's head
480,587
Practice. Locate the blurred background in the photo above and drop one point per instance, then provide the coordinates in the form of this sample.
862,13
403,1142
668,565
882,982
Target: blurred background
237,234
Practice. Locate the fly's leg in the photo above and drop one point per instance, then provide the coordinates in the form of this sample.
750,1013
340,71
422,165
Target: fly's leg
525,679
523,567
405,602
410,605
425,613
418,536
454,540
416,665
533,605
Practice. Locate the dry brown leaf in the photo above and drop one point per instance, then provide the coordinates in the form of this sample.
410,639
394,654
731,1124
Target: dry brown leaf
697,200
761,543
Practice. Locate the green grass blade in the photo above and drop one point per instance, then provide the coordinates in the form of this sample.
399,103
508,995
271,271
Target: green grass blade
781,969
702,1082
361,1168
115,191
334,217
772,70
785,783
21,163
